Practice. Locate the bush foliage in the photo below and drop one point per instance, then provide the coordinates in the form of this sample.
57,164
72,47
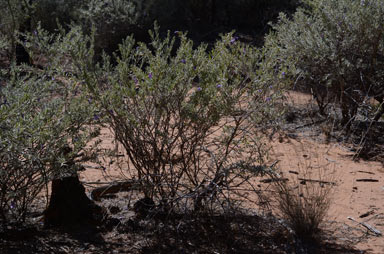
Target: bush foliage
115,20
42,122
185,116
335,49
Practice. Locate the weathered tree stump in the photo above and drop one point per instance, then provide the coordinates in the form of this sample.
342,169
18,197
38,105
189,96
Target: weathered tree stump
69,205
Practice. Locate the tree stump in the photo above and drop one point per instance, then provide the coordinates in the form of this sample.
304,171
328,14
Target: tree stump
69,205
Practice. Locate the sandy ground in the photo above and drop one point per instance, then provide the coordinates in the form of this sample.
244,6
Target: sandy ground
352,196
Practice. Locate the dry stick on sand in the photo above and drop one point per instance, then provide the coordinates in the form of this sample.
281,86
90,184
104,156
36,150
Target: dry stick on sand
366,225
270,180
316,181
367,180
115,187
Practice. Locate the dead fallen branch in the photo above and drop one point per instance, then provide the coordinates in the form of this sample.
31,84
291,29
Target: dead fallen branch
272,180
316,181
367,214
367,226
366,172
311,123
367,180
115,187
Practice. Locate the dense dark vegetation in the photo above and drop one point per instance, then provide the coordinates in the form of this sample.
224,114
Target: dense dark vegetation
186,102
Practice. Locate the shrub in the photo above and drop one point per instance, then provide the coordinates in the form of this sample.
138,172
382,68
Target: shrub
115,20
51,13
34,143
14,19
186,117
42,122
335,49
112,21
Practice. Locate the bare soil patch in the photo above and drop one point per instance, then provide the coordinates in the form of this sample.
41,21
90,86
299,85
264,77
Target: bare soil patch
359,191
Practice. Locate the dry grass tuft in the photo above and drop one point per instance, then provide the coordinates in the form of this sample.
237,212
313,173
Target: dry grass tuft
304,200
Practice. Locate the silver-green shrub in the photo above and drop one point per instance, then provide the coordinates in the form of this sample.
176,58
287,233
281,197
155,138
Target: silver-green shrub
43,119
186,117
334,48
14,18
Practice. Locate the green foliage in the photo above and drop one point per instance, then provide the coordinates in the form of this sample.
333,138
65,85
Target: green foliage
186,116
112,21
34,135
14,13
334,49
50,13
42,122
14,19
115,20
